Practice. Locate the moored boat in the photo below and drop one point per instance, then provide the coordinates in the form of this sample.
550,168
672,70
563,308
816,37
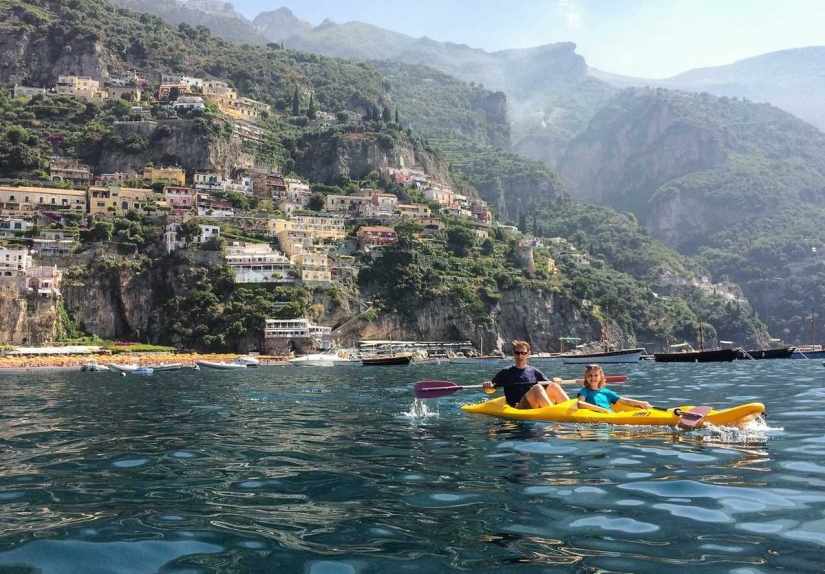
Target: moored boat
809,352
123,368
325,359
568,412
163,367
714,356
250,362
220,366
94,368
781,353
391,359
143,371
623,356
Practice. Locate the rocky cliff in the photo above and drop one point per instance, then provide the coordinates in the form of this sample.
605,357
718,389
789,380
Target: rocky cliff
26,318
326,157
199,145
630,149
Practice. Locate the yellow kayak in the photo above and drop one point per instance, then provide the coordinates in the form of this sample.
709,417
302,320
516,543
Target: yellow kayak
568,412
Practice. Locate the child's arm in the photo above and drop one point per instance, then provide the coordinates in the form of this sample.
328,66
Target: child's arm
634,403
582,404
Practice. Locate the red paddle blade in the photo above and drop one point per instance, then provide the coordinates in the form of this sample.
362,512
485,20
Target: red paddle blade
692,417
435,389
616,379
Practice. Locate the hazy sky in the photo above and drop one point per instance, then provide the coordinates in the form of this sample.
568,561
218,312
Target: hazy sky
643,38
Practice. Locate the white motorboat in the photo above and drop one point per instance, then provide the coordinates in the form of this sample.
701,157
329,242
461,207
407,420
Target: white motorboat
250,362
167,367
325,359
624,356
220,366
94,368
347,358
143,371
123,368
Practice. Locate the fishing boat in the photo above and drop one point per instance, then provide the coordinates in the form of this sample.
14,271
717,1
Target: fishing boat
623,356
568,412
219,366
781,353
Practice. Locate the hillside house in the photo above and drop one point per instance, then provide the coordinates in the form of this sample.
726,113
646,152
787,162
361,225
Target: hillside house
9,225
180,199
258,263
174,241
43,280
14,260
115,200
66,169
25,200
376,237
173,175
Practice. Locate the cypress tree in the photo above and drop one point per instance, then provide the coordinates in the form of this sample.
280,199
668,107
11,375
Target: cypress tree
296,103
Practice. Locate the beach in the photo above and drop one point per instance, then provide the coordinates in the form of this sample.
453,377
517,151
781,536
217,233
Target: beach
29,363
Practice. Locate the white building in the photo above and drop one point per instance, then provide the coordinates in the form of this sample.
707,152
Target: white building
284,330
176,80
439,195
189,103
258,263
13,261
9,225
173,241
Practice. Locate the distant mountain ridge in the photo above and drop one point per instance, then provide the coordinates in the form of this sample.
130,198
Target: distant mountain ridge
793,80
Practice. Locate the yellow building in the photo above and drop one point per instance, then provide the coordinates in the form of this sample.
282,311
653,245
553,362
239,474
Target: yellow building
15,200
174,175
319,227
412,210
118,200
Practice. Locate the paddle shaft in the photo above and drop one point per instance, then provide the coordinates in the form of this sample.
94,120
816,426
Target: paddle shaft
436,389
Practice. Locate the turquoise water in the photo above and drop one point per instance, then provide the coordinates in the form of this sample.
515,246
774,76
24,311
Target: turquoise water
338,471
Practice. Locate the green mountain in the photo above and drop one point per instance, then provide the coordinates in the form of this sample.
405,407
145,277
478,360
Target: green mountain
219,17
793,80
731,181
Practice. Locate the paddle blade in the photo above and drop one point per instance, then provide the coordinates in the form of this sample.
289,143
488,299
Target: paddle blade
692,417
435,389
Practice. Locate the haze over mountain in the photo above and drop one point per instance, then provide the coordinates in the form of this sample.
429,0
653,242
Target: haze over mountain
793,80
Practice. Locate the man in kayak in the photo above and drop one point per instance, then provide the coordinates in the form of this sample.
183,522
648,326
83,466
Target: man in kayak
596,397
525,387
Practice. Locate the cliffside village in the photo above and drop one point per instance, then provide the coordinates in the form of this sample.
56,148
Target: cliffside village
313,245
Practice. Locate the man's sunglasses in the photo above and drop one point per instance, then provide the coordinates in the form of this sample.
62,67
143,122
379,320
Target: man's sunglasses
521,352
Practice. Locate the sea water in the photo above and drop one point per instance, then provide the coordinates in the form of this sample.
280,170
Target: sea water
341,471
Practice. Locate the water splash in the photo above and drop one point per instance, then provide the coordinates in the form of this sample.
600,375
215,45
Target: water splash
420,410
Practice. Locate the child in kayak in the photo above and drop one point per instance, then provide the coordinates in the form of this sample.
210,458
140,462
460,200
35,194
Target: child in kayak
526,387
596,397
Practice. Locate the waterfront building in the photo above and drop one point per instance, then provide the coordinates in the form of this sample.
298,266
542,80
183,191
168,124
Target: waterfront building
282,335
258,263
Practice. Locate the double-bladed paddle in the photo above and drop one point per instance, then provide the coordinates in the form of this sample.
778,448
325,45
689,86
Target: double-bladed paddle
436,389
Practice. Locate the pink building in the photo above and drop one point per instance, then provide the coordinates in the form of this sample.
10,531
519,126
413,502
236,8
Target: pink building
181,199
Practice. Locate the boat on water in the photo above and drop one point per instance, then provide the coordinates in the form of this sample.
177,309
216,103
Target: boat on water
143,371
94,368
123,368
388,360
809,352
220,366
713,356
250,362
165,367
781,353
325,359
623,356
568,412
